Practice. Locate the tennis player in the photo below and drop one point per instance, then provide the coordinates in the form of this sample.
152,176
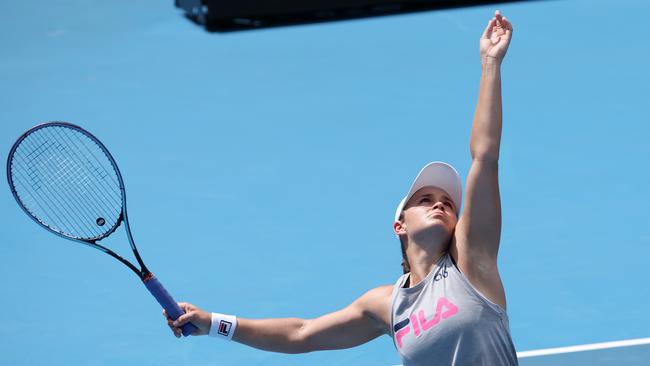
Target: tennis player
449,306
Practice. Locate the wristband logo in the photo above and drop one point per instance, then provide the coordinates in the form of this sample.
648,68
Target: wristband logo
224,328
444,310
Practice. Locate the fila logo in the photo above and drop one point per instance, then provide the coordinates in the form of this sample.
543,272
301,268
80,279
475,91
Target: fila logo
224,328
444,310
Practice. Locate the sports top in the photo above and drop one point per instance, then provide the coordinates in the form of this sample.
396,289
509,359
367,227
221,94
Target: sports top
444,320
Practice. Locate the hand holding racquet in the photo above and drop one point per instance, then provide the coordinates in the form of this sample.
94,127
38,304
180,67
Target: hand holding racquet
193,314
65,179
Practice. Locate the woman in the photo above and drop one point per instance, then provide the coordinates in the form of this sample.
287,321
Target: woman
449,306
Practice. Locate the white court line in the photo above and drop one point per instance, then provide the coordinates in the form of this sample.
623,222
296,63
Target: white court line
580,348
584,347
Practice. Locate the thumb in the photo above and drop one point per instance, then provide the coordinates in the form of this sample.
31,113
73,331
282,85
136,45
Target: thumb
488,30
186,307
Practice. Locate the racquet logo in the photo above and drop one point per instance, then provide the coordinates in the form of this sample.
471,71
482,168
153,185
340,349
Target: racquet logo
224,328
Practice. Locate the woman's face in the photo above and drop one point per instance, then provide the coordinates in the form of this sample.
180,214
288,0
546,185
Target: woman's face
428,211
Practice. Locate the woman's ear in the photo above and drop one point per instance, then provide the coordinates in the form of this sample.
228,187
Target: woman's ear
399,228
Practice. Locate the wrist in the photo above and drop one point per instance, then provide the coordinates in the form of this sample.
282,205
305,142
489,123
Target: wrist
488,62
491,69
223,326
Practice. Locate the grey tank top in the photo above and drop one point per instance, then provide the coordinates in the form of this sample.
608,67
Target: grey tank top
444,320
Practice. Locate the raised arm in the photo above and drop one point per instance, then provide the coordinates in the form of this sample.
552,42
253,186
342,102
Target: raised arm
363,320
479,229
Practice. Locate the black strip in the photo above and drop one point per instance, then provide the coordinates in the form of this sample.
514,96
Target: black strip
401,325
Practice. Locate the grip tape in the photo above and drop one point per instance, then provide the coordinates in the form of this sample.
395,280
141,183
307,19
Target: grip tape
167,302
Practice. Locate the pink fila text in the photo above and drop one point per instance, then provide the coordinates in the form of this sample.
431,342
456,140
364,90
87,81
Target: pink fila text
419,322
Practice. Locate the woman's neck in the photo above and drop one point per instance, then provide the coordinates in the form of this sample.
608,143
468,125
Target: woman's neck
422,262
424,249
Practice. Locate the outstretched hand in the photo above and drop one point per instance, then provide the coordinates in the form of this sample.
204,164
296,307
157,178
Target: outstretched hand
495,39
201,319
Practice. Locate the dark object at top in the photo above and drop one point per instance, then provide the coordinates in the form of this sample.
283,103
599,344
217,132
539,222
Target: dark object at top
229,15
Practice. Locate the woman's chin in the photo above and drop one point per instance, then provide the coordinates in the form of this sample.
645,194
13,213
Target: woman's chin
436,229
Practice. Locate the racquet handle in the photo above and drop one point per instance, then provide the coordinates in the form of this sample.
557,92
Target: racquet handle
165,299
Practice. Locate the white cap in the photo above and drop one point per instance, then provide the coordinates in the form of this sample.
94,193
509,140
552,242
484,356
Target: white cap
435,174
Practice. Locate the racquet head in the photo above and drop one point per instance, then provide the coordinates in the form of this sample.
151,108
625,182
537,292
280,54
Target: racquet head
66,180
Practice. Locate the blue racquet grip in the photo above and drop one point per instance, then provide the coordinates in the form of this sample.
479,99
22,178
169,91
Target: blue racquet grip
165,299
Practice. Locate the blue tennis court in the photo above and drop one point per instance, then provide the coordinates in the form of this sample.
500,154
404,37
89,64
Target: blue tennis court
263,168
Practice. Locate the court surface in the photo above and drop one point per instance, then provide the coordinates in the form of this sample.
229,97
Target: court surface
263,168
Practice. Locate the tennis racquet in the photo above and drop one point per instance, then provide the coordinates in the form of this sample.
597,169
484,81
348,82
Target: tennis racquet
65,179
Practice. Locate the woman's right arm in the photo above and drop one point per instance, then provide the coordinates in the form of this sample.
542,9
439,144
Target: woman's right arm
366,318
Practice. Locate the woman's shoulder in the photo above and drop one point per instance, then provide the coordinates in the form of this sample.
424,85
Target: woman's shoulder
376,303
378,294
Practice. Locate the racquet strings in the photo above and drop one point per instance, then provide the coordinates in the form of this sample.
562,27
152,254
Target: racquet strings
66,181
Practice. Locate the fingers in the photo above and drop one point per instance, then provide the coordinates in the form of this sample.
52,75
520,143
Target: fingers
185,318
191,314
498,16
186,307
502,21
496,21
176,330
497,27
507,26
175,325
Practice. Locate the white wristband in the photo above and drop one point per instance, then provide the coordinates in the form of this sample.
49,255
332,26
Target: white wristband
223,326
